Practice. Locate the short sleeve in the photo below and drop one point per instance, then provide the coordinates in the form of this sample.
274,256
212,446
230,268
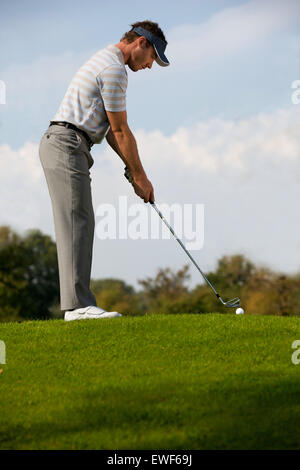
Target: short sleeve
112,82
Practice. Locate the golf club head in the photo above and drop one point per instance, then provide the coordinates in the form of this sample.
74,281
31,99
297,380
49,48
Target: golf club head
233,303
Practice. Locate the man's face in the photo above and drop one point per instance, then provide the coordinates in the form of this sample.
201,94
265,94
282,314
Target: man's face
141,56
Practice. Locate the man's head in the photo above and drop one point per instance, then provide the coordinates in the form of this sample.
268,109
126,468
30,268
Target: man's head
143,44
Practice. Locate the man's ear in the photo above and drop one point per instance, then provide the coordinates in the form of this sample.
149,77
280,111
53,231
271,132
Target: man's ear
142,42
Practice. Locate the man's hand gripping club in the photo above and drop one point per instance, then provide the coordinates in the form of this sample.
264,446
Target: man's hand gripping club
141,185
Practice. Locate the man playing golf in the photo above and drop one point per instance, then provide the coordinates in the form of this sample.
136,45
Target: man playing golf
93,107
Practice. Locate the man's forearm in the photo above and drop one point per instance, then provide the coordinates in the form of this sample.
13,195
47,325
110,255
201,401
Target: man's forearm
124,144
110,138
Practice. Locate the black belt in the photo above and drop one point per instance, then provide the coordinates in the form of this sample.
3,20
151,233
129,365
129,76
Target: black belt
71,126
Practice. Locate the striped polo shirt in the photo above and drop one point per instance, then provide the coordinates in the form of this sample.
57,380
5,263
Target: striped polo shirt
98,86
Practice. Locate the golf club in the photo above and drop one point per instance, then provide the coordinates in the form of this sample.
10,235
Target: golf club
230,303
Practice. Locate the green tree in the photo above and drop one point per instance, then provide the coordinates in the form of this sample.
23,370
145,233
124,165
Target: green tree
166,288
116,295
28,275
232,271
270,293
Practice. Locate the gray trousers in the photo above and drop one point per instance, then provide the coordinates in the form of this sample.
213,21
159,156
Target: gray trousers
66,160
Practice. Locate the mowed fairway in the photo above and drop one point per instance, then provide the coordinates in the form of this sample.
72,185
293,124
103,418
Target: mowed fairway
155,382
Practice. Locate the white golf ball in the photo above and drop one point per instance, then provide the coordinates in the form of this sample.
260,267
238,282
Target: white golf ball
239,311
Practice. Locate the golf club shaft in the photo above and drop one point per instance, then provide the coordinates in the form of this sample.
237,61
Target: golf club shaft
182,246
127,174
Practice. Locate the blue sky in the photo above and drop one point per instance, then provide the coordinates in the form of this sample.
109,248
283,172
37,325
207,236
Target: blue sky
216,127
35,27
254,78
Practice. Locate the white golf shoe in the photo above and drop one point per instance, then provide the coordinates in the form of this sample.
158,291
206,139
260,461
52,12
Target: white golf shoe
89,313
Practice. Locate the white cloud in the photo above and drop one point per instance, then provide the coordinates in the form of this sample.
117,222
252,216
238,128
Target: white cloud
231,30
229,149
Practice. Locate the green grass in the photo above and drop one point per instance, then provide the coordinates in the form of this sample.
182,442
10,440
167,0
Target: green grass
154,382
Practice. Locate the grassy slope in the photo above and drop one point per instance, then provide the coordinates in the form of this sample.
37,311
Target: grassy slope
155,382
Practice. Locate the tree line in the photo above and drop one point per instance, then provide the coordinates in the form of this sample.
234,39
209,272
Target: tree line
29,285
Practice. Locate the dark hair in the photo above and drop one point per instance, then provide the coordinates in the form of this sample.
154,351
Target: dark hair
131,36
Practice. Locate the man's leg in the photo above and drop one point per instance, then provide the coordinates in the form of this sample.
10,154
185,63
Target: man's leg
66,161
